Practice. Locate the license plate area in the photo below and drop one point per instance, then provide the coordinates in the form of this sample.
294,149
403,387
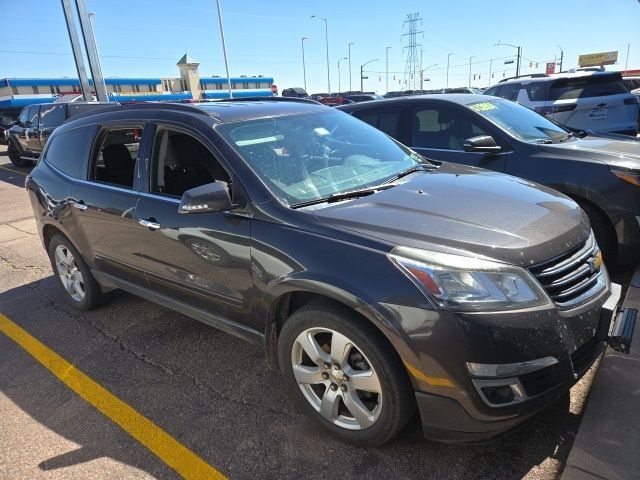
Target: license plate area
598,114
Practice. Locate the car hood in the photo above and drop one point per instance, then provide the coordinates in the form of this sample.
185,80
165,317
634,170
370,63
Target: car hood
459,208
614,150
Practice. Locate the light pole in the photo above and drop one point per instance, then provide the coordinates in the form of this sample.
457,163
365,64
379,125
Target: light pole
490,70
470,58
387,57
304,68
339,60
561,56
519,54
362,73
626,63
448,57
422,74
350,43
326,41
93,35
224,49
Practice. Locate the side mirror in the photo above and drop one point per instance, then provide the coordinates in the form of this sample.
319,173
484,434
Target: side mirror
212,197
482,143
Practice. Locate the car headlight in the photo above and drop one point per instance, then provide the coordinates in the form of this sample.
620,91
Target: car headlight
465,283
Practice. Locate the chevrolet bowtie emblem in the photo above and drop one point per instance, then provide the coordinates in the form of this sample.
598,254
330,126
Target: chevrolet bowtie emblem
595,262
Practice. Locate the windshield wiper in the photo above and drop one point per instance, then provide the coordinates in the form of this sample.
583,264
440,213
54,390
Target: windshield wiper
416,168
335,197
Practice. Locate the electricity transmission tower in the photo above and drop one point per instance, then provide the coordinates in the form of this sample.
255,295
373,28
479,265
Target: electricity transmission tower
412,65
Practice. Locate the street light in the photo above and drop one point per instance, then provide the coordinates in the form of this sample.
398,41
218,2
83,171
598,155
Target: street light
387,57
519,54
561,56
422,74
93,35
362,73
326,41
304,68
448,57
350,43
224,49
339,60
470,58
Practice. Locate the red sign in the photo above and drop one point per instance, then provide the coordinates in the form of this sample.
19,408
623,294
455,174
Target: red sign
274,89
551,68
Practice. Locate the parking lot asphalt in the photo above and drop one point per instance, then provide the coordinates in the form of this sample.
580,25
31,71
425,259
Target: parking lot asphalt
210,392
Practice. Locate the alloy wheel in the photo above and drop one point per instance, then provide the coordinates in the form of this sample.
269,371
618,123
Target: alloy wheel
336,378
69,273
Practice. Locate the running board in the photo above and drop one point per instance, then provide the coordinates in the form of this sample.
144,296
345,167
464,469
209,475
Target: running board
621,330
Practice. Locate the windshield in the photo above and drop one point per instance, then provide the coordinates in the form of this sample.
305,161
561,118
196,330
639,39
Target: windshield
312,156
519,122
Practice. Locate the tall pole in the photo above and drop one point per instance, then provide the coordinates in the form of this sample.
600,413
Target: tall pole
470,58
518,64
362,73
626,63
304,68
92,52
350,43
326,41
448,57
77,52
93,35
224,49
387,58
422,74
339,60
561,56
490,70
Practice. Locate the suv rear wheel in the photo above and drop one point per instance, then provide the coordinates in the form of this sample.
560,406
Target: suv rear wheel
14,156
344,375
82,289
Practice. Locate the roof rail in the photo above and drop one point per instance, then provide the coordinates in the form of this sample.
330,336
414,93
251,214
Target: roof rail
141,105
530,75
269,99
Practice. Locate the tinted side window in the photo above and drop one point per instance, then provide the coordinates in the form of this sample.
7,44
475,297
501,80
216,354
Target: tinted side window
536,91
24,115
52,115
442,128
33,116
493,91
180,162
509,91
115,161
386,120
68,151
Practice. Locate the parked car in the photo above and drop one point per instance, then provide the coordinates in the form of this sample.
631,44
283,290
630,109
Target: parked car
632,82
377,281
597,101
8,116
601,173
296,92
318,96
34,126
362,97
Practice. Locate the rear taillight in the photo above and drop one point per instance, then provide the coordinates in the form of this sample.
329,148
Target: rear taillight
555,109
632,101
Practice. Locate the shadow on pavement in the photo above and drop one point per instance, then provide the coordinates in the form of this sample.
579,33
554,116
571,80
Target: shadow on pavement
215,394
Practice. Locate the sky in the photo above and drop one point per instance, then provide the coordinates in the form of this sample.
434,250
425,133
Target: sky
145,38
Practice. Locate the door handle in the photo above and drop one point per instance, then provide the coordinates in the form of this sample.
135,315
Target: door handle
151,223
79,205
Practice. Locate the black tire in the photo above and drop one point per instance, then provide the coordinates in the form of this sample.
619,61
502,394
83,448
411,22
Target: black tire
93,294
14,156
398,401
602,230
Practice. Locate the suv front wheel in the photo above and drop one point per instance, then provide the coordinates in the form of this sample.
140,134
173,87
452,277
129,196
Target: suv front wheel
14,156
344,375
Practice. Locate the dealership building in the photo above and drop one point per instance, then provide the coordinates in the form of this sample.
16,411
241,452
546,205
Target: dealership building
188,86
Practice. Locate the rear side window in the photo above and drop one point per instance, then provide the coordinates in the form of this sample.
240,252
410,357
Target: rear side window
387,120
52,115
24,115
116,159
68,150
509,91
586,87
493,91
33,117
536,91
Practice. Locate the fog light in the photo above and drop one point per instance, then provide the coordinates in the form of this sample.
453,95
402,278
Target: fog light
499,395
509,369
500,392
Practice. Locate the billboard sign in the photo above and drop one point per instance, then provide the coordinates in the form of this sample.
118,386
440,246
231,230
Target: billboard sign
597,59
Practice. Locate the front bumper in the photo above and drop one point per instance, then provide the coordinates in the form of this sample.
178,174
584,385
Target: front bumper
440,343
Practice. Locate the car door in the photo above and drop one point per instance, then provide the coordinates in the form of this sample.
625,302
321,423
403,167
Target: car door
51,116
20,131
199,259
32,133
105,203
439,132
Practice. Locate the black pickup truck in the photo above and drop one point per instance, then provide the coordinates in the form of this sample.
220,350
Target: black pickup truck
29,134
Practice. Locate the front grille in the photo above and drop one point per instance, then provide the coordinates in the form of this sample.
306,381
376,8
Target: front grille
540,381
573,277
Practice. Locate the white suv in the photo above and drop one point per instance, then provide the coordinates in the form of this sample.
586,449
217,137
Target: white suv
594,101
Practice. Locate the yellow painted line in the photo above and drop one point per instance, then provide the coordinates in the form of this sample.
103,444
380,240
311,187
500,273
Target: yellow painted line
13,171
163,445
437,381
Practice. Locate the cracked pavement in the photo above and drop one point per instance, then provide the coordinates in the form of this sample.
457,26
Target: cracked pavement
211,391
